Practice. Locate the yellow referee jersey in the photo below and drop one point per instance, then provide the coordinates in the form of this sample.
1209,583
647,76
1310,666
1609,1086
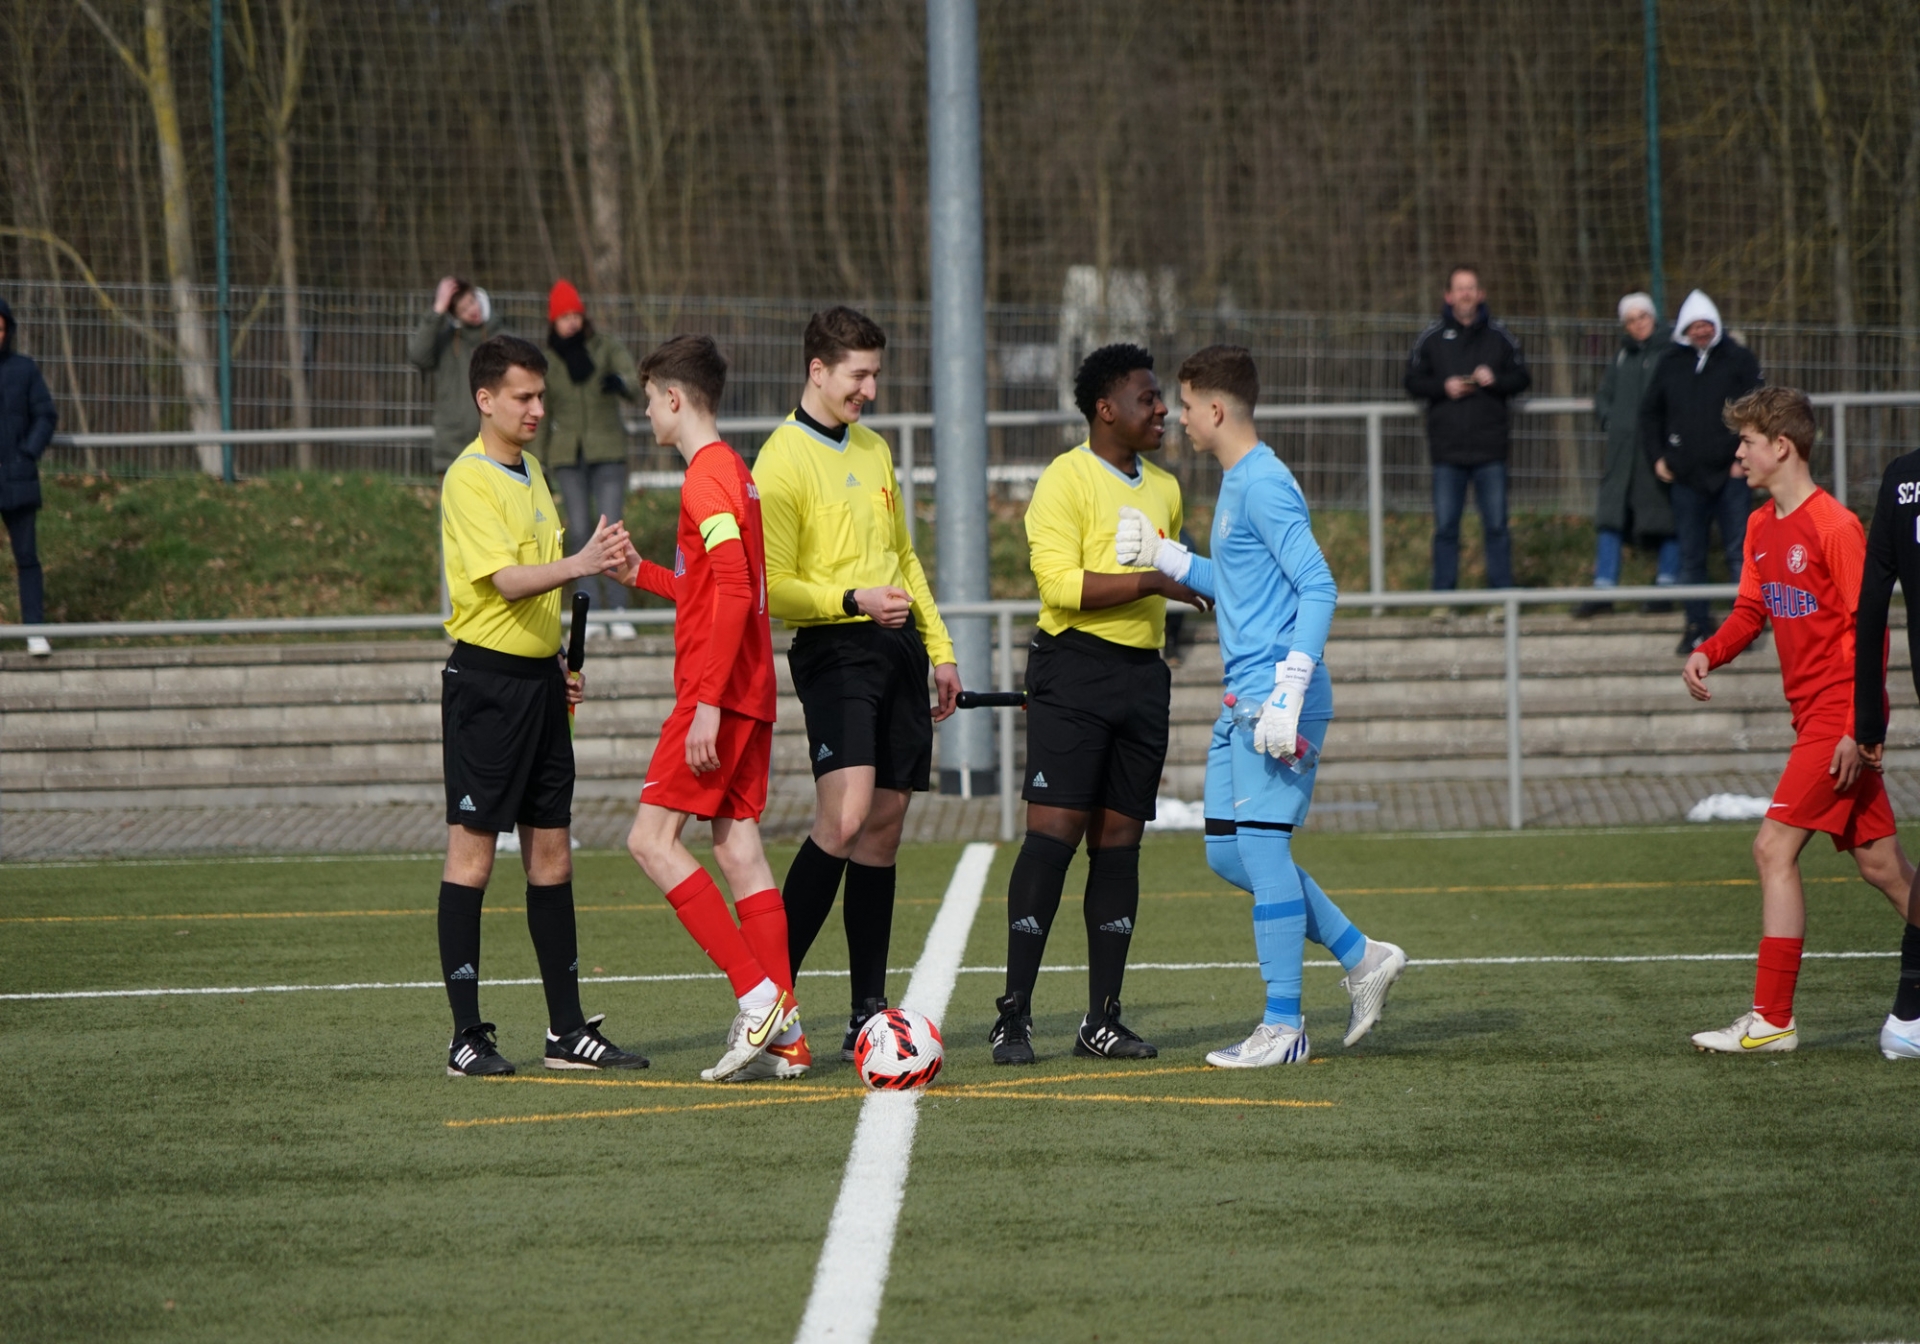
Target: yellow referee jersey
1070,525
489,519
834,521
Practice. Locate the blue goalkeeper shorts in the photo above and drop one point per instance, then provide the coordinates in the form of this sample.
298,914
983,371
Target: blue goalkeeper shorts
1248,785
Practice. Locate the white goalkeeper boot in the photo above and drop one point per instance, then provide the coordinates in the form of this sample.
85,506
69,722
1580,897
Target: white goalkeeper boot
1900,1040
1750,1034
1368,983
1268,1045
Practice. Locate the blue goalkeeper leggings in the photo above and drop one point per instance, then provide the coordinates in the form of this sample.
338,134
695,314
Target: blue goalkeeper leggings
1289,908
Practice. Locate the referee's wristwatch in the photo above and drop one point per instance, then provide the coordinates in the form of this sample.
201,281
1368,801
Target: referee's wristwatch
848,605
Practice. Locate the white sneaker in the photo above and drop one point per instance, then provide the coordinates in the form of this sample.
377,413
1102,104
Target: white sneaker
1267,1046
624,630
750,1035
779,1061
38,646
1368,983
1900,1040
1750,1034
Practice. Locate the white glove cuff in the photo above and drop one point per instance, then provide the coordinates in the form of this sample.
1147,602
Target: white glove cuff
1298,668
1173,560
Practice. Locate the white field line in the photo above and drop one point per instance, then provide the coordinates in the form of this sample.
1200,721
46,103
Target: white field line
963,970
851,1277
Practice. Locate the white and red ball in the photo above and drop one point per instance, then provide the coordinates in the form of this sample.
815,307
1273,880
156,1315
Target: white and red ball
898,1049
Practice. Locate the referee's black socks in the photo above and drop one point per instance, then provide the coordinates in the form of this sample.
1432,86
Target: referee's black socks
1113,900
1906,1000
868,914
1033,899
812,882
557,948
460,951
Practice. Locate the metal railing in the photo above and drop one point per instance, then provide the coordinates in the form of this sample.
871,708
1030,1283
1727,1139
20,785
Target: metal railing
1002,613
907,427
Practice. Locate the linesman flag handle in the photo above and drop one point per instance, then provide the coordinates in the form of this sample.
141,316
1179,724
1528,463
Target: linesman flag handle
577,644
991,700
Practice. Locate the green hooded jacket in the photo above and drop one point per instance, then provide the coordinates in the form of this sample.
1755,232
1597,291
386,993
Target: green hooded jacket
440,347
584,418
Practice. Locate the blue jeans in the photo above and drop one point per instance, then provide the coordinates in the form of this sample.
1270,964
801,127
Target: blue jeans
1450,501
1694,514
1606,561
26,561
589,491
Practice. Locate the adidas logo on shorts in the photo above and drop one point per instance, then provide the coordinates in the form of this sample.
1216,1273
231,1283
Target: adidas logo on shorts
1039,779
466,803
1027,925
1124,924
824,752
466,972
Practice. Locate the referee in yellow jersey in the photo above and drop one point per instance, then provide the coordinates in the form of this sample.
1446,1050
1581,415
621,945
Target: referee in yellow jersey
1098,699
507,750
841,572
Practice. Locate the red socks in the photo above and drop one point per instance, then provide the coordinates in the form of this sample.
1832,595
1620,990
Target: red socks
1773,983
763,923
703,910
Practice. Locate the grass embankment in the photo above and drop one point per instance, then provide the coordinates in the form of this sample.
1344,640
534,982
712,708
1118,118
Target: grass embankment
321,544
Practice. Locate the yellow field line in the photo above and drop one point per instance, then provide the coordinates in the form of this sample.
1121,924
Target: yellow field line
1523,886
743,1104
973,1095
281,914
1085,1077
784,1085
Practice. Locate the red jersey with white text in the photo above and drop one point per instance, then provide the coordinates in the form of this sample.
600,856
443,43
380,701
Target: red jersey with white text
722,643
1802,573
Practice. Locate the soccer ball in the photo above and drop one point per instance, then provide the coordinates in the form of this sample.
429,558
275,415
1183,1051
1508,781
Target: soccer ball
898,1049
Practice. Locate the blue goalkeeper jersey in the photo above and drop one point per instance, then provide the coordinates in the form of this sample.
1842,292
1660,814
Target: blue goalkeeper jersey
1272,590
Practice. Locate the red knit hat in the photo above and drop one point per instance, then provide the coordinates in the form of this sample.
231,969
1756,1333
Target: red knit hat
562,299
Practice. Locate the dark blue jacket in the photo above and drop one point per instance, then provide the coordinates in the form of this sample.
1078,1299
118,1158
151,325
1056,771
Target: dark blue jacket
27,419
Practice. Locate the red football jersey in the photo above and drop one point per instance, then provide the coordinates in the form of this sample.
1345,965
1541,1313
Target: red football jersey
722,643
1803,573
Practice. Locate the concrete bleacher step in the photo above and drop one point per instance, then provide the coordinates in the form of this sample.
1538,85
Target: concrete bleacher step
359,721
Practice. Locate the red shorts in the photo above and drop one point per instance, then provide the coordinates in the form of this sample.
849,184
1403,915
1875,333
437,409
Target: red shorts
737,790
1804,797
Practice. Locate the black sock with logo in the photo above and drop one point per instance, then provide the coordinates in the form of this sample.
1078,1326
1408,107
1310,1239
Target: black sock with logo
812,882
1033,899
1113,900
460,951
1906,1000
556,946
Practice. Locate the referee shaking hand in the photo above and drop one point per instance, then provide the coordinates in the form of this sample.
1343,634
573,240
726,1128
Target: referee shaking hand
504,694
842,574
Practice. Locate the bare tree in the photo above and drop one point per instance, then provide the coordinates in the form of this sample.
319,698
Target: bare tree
603,181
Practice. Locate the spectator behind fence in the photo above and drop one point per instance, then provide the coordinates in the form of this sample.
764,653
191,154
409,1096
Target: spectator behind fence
1633,508
440,347
582,442
27,419
1691,448
1466,367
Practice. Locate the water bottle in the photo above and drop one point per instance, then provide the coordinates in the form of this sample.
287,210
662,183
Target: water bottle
1305,754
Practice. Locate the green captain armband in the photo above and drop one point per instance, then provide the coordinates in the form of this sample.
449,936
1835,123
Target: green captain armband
720,527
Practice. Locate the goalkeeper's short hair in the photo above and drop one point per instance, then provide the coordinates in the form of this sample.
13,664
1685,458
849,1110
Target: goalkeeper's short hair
1226,369
1103,370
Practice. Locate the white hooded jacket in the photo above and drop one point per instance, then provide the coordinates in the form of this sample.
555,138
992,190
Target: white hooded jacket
1698,308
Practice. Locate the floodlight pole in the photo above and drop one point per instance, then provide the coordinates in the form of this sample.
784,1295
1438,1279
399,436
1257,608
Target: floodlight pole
959,369
1656,242
218,61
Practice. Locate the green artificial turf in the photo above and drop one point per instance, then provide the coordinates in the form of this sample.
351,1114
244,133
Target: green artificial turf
1524,1152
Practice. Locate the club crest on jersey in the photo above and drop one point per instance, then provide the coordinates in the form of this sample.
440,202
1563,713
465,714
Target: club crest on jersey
679,563
1785,603
1797,558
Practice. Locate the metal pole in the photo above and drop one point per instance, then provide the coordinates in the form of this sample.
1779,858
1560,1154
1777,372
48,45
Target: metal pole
1516,806
906,478
1656,241
218,60
959,362
1006,727
1376,507
1840,451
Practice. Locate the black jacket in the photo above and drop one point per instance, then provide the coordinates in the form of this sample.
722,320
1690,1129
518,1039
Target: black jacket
1680,414
1473,430
27,419
1893,552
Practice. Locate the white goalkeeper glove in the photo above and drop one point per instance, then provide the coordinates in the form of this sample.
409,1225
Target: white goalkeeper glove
1278,730
1138,542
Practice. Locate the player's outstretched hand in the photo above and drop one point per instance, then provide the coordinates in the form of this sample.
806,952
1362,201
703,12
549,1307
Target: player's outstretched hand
1846,765
1695,675
576,687
946,685
628,574
703,739
888,606
1136,541
605,550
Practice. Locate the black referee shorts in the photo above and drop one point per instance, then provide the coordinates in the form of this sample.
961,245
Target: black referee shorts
863,688
1097,716
505,744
